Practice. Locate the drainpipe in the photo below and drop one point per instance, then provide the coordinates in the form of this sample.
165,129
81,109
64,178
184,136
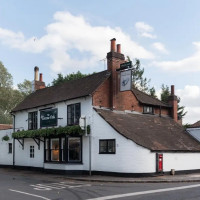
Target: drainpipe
90,155
13,140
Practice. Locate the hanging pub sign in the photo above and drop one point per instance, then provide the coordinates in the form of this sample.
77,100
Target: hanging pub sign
48,117
125,65
125,80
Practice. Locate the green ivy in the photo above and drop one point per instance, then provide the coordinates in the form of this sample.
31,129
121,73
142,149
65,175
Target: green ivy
5,138
67,130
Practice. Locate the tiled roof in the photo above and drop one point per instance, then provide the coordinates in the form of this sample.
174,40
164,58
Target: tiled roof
152,132
5,126
147,99
195,125
68,90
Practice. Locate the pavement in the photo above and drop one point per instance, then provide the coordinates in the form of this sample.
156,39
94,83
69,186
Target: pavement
194,177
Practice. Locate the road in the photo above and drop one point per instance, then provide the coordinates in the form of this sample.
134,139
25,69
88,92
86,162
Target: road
20,184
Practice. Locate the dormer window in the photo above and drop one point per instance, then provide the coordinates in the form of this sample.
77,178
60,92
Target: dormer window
148,110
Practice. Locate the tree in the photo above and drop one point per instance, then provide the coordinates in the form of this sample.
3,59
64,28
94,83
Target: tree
165,93
25,87
152,92
10,97
68,77
138,80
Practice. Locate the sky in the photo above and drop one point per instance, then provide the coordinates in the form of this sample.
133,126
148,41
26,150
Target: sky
62,36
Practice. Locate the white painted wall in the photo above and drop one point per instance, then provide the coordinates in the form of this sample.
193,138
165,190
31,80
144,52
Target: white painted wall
5,157
21,117
129,157
22,157
181,161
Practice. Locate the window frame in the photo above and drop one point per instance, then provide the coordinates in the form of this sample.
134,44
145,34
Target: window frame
32,151
10,148
145,112
33,120
107,142
71,109
63,156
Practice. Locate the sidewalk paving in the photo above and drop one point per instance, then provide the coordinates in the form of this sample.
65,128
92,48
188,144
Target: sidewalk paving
155,179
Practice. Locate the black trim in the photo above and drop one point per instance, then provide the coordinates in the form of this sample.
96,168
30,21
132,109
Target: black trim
45,108
85,172
51,125
107,152
74,114
60,150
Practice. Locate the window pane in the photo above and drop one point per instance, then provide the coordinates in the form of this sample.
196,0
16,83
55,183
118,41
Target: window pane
103,146
111,146
63,148
107,146
77,113
74,149
9,147
55,149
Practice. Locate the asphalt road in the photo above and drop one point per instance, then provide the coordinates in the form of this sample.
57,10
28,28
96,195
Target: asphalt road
19,184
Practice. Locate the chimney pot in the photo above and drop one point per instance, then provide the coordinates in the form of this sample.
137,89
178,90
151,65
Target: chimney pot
118,48
172,89
41,78
113,45
36,70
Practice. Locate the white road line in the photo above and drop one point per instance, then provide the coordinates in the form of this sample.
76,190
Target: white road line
77,186
34,195
145,192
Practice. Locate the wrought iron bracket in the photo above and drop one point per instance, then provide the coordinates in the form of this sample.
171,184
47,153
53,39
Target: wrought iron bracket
21,141
37,141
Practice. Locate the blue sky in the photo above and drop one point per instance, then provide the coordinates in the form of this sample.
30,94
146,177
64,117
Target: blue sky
62,36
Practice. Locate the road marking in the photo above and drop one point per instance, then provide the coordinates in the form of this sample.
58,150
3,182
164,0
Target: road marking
57,186
34,195
144,192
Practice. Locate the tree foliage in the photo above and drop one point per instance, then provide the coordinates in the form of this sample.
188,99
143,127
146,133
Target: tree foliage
165,93
138,80
73,76
10,97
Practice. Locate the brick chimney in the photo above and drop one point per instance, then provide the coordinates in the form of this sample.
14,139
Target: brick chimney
114,59
37,83
173,100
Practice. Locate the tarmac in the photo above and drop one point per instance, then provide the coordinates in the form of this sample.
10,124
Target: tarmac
195,177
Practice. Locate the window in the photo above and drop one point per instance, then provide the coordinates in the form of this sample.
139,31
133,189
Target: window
32,120
32,152
74,149
63,149
107,146
47,154
55,149
9,147
148,110
73,114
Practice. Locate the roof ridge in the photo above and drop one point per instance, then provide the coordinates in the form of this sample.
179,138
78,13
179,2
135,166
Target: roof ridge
69,81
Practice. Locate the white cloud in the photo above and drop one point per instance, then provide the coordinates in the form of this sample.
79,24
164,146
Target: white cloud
190,96
68,33
189,64
160,47
145,30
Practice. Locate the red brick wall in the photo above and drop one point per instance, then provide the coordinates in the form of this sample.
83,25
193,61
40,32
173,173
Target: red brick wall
102,97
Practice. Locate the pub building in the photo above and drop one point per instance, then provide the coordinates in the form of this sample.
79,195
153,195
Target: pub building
100,124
